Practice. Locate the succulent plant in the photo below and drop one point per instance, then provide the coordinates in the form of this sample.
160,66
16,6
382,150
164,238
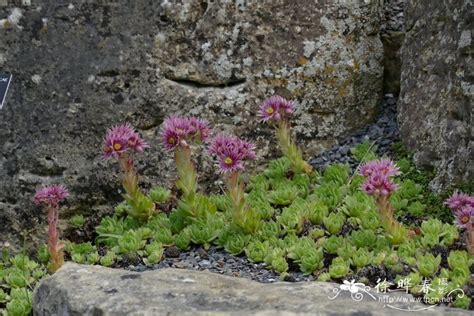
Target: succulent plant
109,259
431,227
357,205
333,243
182,240
361,258
364,151
428,264
458,258
283,196
462,302
324,277
163,236
364,238
337,173
450,234
316,212
201,234
159,194
316,233
256,251
236,243
77,221
334,222
339,268
279,264
154,252
346,250
291,220
371,221
129,243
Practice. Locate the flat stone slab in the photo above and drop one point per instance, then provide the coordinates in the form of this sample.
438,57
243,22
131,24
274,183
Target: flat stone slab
95,290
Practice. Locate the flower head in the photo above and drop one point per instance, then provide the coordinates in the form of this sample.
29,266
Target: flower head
383,166
231,151
275,108
51,195
465,216
379,184
121,138
378,174
459,200
199,128
176,131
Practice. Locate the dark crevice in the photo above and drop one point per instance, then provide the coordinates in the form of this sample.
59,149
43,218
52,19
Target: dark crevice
199,85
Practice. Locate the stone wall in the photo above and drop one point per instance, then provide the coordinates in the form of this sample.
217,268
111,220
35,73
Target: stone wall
435,106
82,66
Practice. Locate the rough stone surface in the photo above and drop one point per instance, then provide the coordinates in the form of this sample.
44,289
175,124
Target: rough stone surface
81,66
94,290
392,33
437,90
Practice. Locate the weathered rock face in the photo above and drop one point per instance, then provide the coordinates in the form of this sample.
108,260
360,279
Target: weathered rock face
94,290
392,34
435,108
81,66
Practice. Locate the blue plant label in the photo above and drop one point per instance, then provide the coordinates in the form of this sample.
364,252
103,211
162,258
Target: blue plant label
4,84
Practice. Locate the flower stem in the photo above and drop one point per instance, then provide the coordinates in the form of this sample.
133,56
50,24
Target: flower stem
236,194
290,150
187,181
394,228
54,245
130,177
242,215
141,207
470,239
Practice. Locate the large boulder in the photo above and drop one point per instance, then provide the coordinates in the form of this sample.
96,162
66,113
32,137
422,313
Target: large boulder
81,66
437,90
95,290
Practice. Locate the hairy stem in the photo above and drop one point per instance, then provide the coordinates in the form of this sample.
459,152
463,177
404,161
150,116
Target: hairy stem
470,239
389,223
187,181
290,150
236,194
141,207
55,248
130,177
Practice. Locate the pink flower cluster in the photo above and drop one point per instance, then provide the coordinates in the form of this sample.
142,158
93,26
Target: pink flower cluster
122,138
51,195
462,206
176,131
275,109
231,151
379,173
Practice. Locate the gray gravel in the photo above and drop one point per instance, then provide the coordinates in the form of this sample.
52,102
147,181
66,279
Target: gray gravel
218,261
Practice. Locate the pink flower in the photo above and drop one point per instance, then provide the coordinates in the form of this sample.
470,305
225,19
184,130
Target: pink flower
383,166
231,151
51,195
275,108
465,216
176,131
199,128
379,184
459,200
121,138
